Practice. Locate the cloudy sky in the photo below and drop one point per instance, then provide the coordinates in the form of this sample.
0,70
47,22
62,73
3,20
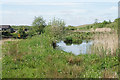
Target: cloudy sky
73,12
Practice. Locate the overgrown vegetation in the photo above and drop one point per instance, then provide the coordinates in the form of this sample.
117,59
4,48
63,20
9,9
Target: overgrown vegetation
104,24
69,27
77,37
39,24
35,57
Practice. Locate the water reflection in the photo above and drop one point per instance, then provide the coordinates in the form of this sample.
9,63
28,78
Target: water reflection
76,49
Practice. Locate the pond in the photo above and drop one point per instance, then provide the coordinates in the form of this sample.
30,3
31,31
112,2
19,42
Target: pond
83,48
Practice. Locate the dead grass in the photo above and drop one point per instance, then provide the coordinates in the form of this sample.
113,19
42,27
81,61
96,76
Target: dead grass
74,60
105,42
103,30
109,74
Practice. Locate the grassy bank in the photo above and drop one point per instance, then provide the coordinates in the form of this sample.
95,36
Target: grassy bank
36,58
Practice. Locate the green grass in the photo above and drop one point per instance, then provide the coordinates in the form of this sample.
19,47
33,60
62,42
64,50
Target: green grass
105,24
36,58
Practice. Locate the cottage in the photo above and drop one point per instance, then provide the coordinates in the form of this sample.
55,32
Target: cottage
6,27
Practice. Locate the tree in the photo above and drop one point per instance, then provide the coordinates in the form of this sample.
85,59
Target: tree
105,22
96,21
56,27
69,27
57,23
32,31
39,24
109,21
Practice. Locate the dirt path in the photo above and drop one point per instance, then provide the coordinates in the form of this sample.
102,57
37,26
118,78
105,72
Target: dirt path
4,40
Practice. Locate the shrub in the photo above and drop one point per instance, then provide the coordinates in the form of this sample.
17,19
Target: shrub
22,33
6,34
68,40
14,35
39,24
71,28
55,28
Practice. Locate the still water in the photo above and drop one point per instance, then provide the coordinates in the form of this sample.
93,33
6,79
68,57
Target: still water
83,48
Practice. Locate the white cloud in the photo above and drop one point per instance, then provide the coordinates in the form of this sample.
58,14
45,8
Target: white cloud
80,14
28,13
73,11
41,3
50,13
60,0
114,8
7,12
52,2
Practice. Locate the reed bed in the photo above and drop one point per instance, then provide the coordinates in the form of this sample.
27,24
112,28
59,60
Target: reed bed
105,43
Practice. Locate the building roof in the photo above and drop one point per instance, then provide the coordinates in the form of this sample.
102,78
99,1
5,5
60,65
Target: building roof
5,26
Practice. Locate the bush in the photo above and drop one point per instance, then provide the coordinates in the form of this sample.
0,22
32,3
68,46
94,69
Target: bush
71,28
55,28
77,41
22,33
39,24
6,34
31,32
57,23
14,35
68,40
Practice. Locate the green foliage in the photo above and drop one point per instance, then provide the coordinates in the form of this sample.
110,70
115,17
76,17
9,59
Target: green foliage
55,28
68,40
31,32
117,20
36,58
104,24
86,27
18,27
101,25
6,34
70,28
27,31
107,24
89,26
114,25
22,33
77,37
57,23
14,35
39,24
